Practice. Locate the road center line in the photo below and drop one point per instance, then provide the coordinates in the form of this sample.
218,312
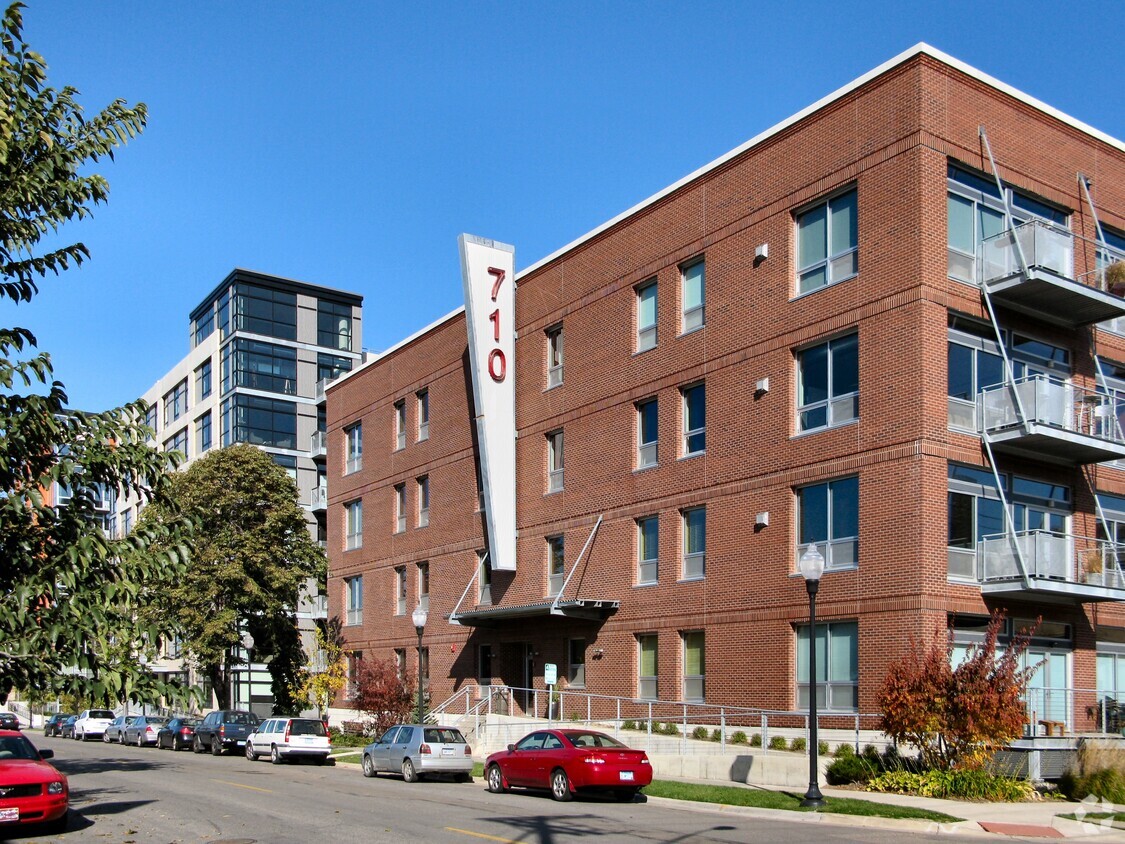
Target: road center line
240,785
482,835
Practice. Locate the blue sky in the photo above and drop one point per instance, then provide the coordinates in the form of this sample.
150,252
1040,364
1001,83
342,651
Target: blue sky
348,144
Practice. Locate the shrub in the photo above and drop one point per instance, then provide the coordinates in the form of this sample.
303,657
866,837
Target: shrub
739,737
844,750
716,735
778,743
798,745
628,725
756,740
848,769
963,784
699,733
871,752
656,727
822,747
670,729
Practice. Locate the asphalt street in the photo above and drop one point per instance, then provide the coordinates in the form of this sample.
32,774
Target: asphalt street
130,794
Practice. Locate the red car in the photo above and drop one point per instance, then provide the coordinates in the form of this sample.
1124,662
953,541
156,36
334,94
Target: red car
569,761
32,791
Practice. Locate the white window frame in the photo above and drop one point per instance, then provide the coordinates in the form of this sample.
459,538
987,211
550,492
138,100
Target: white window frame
700,430
648,452
836,266
693,317
555,461
554,356
353,599
648,685
840,552
694,566
423,401
648,568
400,508
694,685
484,579
646,331
555,579
353,439
400,425
353,532
424,585
400,590
423,501
839,409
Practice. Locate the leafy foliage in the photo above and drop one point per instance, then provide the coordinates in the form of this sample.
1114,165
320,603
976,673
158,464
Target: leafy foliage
957,716
70,590
849,768
384,698
963,784
250,557
320,683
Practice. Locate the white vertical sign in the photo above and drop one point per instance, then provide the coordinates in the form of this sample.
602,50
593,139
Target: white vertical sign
488,272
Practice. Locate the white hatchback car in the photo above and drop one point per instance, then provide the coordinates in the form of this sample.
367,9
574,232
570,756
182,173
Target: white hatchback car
91,723
289,738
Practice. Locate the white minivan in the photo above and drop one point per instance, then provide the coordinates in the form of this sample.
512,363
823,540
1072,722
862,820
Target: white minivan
289,738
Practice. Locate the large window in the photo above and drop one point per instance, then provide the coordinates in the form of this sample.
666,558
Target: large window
259,421
484,595
554,356
258,365
648,549
354,528
555,461
400,590
837,666
203,432
175,403
203,380
646,316
151,421
828,515
258,310
693,295
695,666
334,325
400,508
353,444
695,543
647,667
828,383
647,426
178,442
556,565
695,419
354,595
423,400
827,242
423,501
331,366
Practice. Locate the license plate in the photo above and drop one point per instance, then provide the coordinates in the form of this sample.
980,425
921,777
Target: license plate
626,776
447,751
241,743
9,815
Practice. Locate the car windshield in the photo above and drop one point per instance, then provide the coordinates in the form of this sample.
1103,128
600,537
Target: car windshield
101,713
189,722
16,747
307,728
593,740
444,735
157,721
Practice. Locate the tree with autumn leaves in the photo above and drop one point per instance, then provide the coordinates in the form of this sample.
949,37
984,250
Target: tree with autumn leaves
957,716
381,695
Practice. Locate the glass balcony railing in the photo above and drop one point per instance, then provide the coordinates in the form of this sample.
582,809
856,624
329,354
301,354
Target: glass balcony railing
1045,246
318,444
319,499
1060,559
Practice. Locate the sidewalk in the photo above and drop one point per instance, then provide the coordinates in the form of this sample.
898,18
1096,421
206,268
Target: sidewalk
1036,820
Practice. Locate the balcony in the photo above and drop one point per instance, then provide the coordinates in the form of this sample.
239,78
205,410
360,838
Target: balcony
321,386
1048,287
318,503
1063,422
318,445
1060,567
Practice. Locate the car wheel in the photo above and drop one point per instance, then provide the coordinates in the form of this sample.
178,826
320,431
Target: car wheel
409,774
624,795
105,736
560,785
80,736
197,745
120,738
216,746
140,740
369,766
250,754
495,779
275,755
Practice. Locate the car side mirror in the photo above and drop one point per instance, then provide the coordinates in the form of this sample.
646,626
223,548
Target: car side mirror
511,748
46,753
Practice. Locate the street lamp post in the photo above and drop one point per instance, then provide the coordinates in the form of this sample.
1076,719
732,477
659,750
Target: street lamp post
812,567
419,617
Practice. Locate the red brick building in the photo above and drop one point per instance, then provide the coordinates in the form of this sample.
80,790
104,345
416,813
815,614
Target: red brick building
793,345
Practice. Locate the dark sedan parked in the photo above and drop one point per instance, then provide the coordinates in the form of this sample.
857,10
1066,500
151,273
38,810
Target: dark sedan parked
67,728
143,730
177,734
9,721
116,729
53,724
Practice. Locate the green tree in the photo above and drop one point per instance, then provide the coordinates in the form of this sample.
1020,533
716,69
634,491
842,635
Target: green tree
325,676
251,554
957,716
70,591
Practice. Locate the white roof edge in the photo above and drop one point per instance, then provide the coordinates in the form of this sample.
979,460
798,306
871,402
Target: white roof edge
377,356
921,48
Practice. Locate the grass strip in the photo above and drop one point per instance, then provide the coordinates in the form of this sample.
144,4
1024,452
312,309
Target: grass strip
766,799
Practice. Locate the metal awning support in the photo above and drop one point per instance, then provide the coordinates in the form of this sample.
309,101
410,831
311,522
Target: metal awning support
1085,182
476,572
1009,523
562,590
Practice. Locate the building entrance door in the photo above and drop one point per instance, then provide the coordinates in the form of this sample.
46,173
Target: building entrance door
528,676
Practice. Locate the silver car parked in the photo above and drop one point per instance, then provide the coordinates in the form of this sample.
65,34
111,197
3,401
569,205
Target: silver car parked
415,751
116,729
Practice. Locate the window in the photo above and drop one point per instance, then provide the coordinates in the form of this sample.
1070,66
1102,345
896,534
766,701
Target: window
484,665
827,243
554,356
126,521
837,667
400,590
828,515
648,545
288,462
151,421
556,566
647,666
203,380
400,424
331,366
259,310
355,662
576,663
554,461
646,316
400,508
354,533
423,397
424,586
178,442
334,325
695,543
646,433
423,501
204,325
353,444
203,432
693,295
258,365
694,666
400,662
1110,251
354,603
695,419
259,421
175,403
485,579
828,383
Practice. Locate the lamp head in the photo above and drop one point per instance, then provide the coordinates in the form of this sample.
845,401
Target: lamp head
811,564
419,617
